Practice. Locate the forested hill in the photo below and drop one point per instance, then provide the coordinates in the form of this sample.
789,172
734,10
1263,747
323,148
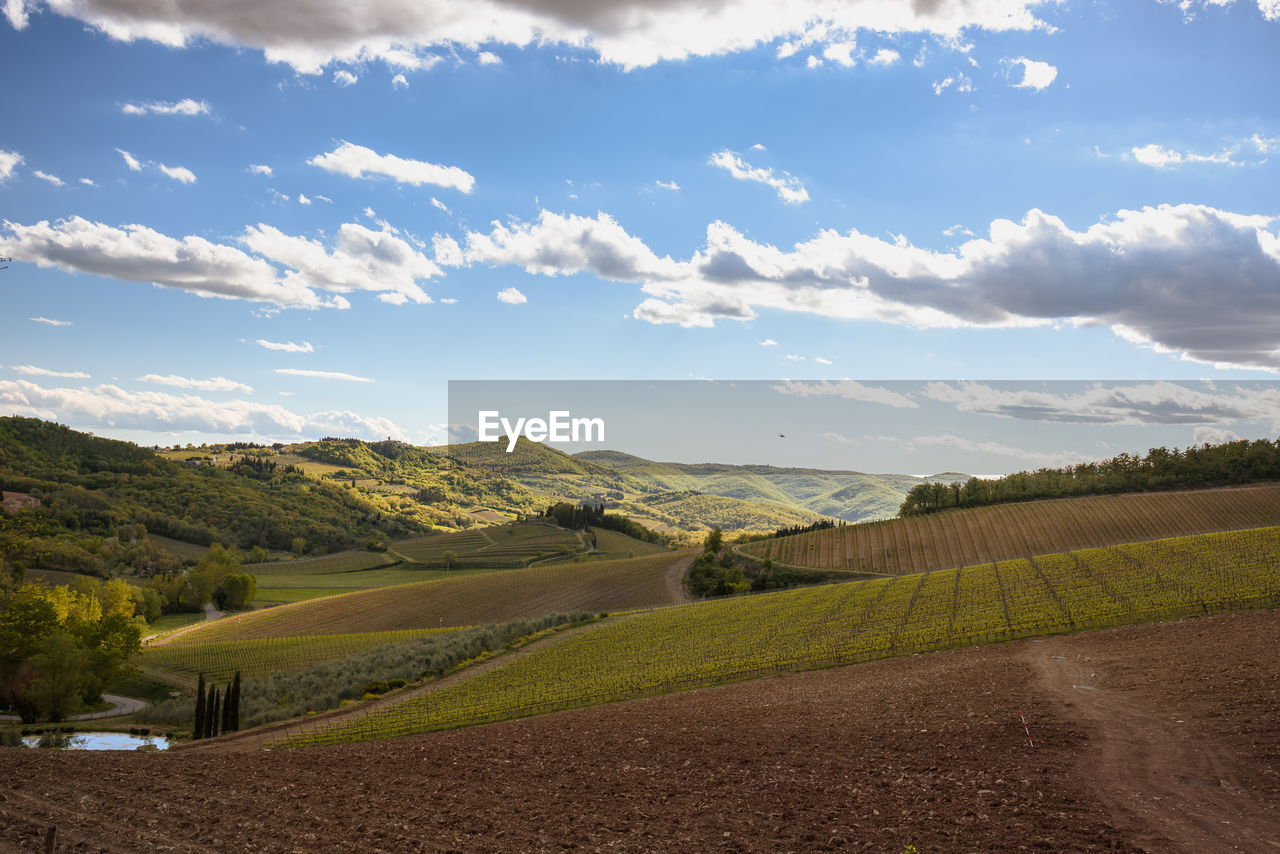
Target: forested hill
98,496
1227,464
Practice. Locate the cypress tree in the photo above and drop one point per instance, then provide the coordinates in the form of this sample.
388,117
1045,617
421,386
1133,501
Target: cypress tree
226,710
197,731
211,713
235,703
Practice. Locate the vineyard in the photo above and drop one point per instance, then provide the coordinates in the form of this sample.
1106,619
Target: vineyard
505,546
350,561
705,643
220,660
462,600
1002,531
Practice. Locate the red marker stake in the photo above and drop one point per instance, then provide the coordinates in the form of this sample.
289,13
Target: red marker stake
1026,728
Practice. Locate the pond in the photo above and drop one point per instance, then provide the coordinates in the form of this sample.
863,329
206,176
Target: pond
105,741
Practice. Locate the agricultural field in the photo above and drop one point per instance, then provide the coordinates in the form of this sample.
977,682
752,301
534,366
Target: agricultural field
348,561
707,643
1002,531
220,660
462,599
505,546
615,544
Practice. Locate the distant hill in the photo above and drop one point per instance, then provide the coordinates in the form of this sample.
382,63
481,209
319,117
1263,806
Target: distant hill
849,495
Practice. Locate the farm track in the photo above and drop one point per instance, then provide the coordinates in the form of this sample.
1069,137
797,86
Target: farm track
260,737
926,751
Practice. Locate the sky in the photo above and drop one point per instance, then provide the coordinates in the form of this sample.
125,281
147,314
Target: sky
292,220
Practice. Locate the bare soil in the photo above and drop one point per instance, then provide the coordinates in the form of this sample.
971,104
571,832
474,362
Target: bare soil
1159,738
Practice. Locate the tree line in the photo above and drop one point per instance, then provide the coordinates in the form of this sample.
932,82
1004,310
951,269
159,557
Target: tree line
1230,463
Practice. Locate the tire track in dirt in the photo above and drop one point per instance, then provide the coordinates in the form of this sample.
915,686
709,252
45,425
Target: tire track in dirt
677,594
1175,784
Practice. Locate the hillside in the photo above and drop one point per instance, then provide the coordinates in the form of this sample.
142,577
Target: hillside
849,495
997,532
473,599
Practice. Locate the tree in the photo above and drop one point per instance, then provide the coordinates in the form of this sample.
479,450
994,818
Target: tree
714,541
298,546
60,669
239,588
197,728
235,703
449,558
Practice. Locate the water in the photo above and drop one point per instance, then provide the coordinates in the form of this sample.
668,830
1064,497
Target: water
107,741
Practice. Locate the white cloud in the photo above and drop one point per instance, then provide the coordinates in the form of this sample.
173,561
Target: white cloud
758,147
303,200
630,34
787,186
1159,157
181,174
323,375
958,80
768,342
511,296
130,160
667,185
488,58
214,384
1213,436
399,82
841,53
448,301
185,107
885,56
9,161
32,370
841,439
1036,459
45,176
436,203
88,182
1193,279
111,407
792,357
344,78
952,231
324,199
1035,74
287,346
1119,404
1264,144
822,361
260,169
847,389
813,61
356,161
50,322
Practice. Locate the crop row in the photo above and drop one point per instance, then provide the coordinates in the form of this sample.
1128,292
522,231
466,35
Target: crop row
1002,531
709,642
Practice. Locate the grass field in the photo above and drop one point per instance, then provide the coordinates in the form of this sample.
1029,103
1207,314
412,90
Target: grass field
998,532
503,546
349,561
710,642
461,599
613,544
257,658
178,547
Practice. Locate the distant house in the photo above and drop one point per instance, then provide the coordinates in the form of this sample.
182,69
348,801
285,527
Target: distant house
16,502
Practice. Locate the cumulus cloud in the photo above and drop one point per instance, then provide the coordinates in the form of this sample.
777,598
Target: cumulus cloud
130,160
1159,157
488,58
1190,279
323,375
178,173
287,346
1035,74
260,169
357,259
50,322
88,182
667,185
847,389
45,176
356,161
821,361
9,161
841,53
511,296
214,384
32,370
344,78
185,107
1025,457
630,34
768,342
787,186
1121,404
885,56
111,407
399,82
1213,436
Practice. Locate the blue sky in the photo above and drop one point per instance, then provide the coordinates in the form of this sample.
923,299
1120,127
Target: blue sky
281,224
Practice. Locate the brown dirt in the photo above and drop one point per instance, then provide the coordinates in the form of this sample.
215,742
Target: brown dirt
926,751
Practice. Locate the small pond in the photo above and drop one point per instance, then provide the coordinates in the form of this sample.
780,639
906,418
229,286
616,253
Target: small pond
105,741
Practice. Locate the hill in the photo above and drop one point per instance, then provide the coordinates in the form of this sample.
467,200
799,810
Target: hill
997,532
849,495
473,599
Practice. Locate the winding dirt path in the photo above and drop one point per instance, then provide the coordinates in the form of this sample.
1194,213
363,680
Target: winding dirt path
1177,783
674,580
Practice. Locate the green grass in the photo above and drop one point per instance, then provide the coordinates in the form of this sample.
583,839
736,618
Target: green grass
181,549
613,544
503,546
712,642
461,599
349,561
170,622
